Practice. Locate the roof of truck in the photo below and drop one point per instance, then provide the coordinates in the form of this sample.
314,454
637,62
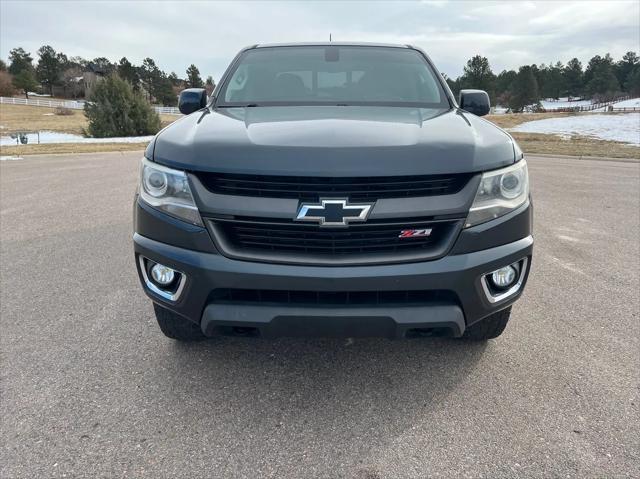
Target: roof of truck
330,44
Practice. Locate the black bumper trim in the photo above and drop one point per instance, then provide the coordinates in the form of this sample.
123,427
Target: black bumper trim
384,321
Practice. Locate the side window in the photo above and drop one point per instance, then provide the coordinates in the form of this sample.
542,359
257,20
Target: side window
236,84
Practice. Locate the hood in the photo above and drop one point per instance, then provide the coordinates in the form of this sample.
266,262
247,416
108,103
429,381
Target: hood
333,141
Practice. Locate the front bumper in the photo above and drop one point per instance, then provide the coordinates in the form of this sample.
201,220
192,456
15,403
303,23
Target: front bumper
458,276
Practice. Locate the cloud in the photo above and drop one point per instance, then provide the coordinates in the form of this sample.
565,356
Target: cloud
176,34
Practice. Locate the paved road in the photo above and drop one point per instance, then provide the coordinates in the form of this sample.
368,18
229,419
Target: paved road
90,388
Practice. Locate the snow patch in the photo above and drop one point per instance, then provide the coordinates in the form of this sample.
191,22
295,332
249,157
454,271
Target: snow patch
47,137
631,103
624,127
551,105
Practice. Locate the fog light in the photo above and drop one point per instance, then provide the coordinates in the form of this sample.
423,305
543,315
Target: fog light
162,274
504,277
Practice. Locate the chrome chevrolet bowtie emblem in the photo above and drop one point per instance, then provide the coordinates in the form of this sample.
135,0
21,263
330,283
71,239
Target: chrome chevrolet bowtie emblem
334,212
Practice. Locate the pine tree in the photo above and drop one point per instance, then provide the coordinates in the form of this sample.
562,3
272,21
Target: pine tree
555,84
632,83
625,66
173,78
573,78
115,110
525,89
600,77
50,66
163,91
19,61
128,72
25,80
193,77
477,74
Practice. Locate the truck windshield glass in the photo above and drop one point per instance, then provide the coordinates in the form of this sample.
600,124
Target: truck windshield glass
332,75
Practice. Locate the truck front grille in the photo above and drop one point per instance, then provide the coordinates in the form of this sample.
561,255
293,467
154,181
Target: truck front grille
371,242
325,298
311,188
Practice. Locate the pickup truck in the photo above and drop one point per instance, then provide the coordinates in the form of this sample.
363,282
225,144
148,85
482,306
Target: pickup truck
333,189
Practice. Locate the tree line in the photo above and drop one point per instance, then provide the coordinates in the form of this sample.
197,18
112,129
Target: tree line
602,79
56,69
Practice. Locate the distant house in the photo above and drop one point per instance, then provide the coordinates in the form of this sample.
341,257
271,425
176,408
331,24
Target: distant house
93,74
78,82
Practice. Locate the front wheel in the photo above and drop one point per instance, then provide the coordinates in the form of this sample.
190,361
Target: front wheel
176,327
489,327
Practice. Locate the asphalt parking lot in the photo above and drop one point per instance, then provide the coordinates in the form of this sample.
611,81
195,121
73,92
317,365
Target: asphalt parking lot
90,387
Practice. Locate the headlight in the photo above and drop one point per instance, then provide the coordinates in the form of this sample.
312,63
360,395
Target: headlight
500,192
168,190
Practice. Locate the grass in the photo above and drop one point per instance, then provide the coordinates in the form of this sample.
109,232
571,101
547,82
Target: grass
514,119
69,148
35,118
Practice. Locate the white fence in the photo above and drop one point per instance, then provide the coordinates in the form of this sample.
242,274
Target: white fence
72,104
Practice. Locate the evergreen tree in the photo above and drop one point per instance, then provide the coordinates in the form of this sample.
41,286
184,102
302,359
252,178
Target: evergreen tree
3,66
625,66
600,78
554,85
542,77
116,110
632,83
128,72
150,74
173,78
19,61
504,86
525,89
477,74
573,78
25,80
193,77
163,91
102,65
50,66
77,62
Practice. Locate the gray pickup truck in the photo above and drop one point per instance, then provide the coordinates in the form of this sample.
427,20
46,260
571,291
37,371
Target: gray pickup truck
333,190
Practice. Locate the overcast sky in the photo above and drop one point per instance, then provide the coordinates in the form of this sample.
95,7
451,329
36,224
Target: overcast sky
209,34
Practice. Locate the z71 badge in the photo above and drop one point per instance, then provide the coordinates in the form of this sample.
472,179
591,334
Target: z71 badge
415,233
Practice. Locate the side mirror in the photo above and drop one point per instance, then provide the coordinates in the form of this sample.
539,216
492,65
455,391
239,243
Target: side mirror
192,99
475,101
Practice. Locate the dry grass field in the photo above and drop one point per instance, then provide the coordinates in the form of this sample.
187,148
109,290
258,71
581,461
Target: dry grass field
35,118
67,148
30,118
15,118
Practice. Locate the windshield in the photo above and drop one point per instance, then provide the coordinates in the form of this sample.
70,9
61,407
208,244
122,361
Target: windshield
332,75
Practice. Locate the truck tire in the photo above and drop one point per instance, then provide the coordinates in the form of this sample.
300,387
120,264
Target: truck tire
489,327
176,327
